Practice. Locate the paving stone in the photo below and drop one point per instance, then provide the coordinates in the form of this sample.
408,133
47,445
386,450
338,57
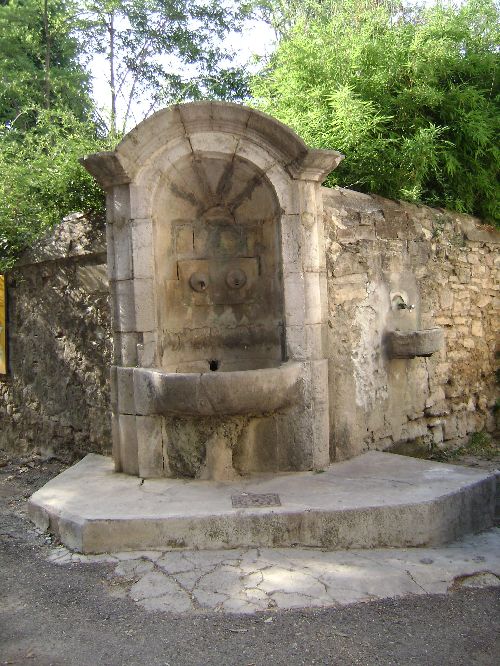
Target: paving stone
255,595
209,599
175,562
249,581
235,605
170,603
153,584
291,582
188,579
131,569
224,579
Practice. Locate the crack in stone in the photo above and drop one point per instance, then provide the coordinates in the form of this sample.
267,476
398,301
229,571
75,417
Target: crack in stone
416,583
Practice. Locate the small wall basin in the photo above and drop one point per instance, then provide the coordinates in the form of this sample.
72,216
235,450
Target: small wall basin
409,344
258,391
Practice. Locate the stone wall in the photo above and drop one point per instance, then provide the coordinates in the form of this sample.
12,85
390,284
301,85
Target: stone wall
55,396
449,265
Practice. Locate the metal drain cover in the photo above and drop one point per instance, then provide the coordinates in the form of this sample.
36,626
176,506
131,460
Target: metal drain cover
248,500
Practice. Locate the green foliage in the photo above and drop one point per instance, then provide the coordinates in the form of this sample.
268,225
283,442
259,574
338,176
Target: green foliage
47,120
480,444
41,179
410,97
163,51
45,125
39,64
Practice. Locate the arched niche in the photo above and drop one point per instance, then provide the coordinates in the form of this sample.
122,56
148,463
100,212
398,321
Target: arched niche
216,243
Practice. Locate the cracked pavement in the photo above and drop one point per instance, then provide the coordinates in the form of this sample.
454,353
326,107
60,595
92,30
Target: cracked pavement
251,580
77,610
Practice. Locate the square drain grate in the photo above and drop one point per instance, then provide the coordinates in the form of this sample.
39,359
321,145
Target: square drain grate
249,500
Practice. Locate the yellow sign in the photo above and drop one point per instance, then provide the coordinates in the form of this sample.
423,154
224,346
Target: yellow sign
3,325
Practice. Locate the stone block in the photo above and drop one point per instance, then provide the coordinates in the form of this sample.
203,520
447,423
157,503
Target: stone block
128,444
122,294
477,232
312,247
256,450
285,189
150,446
349,263
249,150
145,315
140,195
295,440
113,388
142,248
146,350
294,293
436,396
313,303
125,349
413,430
349,288
358,201
122,252
110,252
118,205
291,243
139,143
393,223
125,388
355,234
446,298
115,439
306,342
477,328
213,143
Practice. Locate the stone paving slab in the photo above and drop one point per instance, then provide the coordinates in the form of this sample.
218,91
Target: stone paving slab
374,500
252,580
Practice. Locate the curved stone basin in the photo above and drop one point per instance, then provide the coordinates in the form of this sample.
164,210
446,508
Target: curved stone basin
409,344
216,393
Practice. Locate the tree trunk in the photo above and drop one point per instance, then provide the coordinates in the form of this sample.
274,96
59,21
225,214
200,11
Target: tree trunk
47,52
111,30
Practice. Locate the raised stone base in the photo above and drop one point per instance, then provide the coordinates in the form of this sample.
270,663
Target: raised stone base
377,499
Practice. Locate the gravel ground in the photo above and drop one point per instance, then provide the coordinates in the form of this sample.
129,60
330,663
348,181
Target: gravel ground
77,615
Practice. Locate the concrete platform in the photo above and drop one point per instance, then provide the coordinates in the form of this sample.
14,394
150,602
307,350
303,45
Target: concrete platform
374,500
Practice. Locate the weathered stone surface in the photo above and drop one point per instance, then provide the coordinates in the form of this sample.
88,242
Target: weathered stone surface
222,249
55,398
377,499
283,578
330,264
443,264
414,343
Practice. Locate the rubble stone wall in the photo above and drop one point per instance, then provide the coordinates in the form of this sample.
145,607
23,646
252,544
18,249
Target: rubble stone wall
452,264
55,397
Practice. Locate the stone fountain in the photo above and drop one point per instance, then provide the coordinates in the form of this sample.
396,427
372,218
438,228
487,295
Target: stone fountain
220,391
218,280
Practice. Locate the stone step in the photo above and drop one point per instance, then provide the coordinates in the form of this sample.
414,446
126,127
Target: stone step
374,500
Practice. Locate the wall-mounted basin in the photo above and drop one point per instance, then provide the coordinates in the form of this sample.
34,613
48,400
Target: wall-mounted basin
409,344
239,392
